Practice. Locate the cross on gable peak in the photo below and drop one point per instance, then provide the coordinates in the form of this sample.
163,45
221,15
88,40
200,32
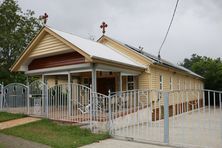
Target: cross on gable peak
103,26
44,18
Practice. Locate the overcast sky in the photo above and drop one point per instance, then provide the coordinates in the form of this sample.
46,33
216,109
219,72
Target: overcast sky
197,27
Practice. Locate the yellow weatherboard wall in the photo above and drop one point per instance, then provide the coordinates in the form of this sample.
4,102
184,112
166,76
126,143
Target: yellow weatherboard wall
49,45
150,78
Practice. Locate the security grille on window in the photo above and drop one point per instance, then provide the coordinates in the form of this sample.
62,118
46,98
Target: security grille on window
130,82
161,82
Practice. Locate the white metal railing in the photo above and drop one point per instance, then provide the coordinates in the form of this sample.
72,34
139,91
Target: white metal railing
180,118
133,113
99,112
195,118
69,102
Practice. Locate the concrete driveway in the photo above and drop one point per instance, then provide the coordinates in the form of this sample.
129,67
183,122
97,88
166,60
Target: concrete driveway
114,143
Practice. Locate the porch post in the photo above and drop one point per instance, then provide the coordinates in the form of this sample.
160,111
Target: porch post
94,87
69,94
120,82
43,78
93,104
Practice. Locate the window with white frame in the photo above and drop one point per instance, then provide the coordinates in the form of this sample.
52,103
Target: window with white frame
171,83
161,82
130,83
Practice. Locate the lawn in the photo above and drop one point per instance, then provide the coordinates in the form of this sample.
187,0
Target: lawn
2,146
54,134
4,116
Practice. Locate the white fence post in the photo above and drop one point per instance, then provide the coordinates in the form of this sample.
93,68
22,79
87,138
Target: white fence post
110,112
91,107
69,95
166,117
1,96
28,98
46,100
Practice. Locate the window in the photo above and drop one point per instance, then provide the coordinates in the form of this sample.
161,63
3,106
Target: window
130,82
161,82
171,83
178,84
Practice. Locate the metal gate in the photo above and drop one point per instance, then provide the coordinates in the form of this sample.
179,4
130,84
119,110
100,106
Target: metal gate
69,102
38,96
180,118
15,98
131,114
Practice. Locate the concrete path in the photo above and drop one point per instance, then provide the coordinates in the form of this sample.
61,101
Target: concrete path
16,142
114,143
16,122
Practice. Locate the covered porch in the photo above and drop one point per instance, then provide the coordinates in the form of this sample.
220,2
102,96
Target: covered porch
99,77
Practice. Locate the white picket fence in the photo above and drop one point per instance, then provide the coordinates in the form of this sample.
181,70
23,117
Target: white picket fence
180,118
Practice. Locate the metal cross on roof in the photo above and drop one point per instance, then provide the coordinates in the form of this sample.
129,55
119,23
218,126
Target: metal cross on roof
44,18
103,26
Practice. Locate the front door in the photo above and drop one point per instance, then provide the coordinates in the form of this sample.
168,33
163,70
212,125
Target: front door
105,84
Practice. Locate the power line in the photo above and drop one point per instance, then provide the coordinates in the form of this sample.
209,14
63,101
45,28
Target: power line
168,28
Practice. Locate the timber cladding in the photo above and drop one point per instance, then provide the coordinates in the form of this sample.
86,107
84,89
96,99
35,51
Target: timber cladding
57,60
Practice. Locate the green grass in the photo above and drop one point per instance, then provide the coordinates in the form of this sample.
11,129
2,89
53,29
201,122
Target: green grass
4,116
54,134
2,145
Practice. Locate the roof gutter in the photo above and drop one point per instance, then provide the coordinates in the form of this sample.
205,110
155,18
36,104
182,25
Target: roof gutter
107,60
164,64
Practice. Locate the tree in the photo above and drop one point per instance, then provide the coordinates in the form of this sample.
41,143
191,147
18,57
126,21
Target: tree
210,69
17,28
